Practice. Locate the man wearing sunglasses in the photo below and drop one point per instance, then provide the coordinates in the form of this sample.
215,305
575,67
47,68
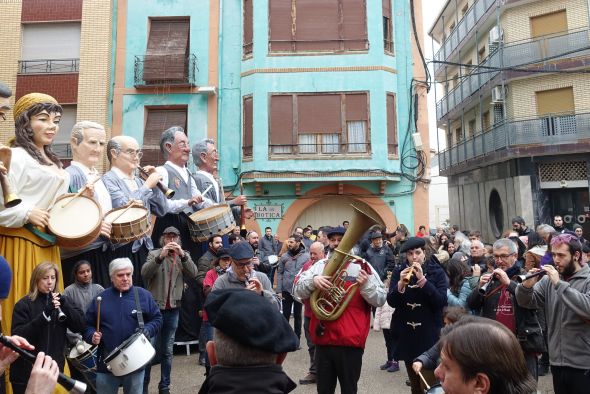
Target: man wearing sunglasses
563,293
495,297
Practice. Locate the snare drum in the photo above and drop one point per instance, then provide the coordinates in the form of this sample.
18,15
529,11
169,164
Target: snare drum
130,225
76,224
217,219
85,362
133,354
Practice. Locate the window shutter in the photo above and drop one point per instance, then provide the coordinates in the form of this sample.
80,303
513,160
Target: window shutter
248,127
317,25
391,125
319,113
158,120
356,107
542,25
281,120
280,29
354,24
248,27
167,51
555,101
387,26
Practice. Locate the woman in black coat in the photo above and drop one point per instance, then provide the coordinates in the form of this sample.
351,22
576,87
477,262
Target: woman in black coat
38,318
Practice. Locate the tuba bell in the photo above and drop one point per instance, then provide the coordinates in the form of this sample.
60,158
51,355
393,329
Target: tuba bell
330,304
10,198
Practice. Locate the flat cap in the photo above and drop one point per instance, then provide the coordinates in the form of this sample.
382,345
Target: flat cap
241,250
336,231
171,230
223,253
375,234
250,320
413,243
5,278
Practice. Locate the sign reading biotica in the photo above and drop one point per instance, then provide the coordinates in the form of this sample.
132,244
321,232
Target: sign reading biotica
268,211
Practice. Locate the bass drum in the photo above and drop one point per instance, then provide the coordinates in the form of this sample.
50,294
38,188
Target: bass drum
66,224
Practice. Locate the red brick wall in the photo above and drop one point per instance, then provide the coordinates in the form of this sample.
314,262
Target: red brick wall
64,87
51,10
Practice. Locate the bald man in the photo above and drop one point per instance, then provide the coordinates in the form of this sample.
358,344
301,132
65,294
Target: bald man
123,186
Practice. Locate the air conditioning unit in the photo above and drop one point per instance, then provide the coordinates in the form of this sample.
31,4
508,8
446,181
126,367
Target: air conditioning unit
497,94
496,34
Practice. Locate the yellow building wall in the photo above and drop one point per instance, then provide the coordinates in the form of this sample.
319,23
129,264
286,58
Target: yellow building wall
11,39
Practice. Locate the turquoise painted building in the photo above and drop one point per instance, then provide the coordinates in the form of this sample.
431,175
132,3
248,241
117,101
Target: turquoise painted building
309,101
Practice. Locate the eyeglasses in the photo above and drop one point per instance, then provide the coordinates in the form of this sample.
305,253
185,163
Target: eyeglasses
248,265
134,153
502,256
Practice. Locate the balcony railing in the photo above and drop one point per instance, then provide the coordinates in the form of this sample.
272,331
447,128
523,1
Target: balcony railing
63,151
159,70
304,150
465,25
543,131
49,66
514,55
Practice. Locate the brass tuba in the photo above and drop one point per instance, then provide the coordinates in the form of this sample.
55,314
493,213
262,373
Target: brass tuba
10,198
330,304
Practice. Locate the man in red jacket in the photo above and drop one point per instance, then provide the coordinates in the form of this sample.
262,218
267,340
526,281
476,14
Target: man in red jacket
340,343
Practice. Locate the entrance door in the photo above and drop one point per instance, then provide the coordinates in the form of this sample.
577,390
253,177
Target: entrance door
574,206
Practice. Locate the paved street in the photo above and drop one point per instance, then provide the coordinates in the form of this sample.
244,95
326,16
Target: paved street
187,376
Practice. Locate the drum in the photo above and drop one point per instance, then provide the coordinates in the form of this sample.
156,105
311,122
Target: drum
435,389
133,354
217,219
129,225
84,361
273,259
75,221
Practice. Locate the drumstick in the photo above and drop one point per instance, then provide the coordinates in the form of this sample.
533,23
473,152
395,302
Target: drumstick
80,192
206,190
424,380
98,300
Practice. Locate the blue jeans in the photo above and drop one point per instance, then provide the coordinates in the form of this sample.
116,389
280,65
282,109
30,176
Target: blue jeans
207,330
164,343
107,383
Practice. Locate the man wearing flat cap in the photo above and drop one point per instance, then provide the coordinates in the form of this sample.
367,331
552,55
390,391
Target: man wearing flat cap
418,299
246,353
241,274
163,273
379,255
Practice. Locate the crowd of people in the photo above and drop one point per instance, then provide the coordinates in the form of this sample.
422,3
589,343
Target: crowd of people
458,311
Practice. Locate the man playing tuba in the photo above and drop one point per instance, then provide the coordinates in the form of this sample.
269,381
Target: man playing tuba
340,342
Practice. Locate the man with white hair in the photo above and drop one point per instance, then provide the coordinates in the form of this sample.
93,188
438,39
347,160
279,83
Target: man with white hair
88,140
119,320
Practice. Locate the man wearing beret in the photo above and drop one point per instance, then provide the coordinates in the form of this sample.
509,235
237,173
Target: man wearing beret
242,275
246,353
335,235
45,370
340,343
418,307
163,273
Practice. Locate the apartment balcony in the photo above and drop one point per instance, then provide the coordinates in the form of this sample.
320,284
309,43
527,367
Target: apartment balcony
516,54
165,70
471,18
63,151
553,134
318,150
49,66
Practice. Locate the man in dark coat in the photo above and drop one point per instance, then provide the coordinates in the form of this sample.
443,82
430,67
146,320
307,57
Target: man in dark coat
379,255
418,304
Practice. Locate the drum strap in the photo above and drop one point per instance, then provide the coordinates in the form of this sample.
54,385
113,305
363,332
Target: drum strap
138,306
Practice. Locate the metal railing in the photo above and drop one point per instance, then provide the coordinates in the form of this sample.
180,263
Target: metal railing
465,25
544,131
63,151
156,70
320,149
49,66
513,55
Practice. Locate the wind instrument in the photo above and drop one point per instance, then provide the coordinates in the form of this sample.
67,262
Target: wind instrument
169,193
408,276
10,198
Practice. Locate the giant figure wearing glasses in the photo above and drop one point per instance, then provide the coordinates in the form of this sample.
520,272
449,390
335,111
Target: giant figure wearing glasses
495,296
127,188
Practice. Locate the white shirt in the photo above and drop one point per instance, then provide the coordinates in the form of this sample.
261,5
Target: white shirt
101,193
176,206
130,182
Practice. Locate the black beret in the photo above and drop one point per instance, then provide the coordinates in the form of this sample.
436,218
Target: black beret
241,250
251,320
336,231
413,243
223,253
375,234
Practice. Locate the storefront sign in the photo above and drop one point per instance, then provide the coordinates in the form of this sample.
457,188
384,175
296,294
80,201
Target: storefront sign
268,211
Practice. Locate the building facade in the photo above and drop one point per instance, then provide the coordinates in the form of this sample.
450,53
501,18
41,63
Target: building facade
513,102
62,48
309,101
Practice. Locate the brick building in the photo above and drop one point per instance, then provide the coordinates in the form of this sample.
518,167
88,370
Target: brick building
514,104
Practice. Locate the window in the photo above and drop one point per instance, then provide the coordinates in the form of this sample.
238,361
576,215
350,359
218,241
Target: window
61,143
325,123
158,120
542,25
468,69
50,48
481,53
458,134
387,27
311,25
555,101
166,59
485,121
392,143
451,27
464,9
471,128
247,127
248,27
